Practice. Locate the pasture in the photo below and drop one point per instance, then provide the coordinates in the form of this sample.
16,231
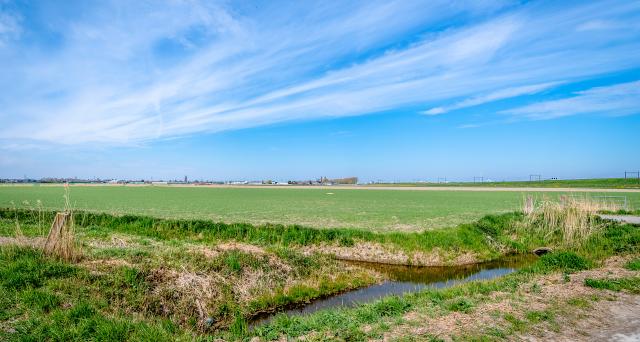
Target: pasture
377,210
595,183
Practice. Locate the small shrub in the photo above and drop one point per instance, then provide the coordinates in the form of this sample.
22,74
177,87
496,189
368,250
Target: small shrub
563,261
494,225
461,305
391,306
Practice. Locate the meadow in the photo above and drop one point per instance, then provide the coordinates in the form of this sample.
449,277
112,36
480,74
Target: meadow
376,210
596,183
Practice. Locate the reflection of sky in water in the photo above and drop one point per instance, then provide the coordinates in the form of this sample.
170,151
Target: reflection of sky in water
408,280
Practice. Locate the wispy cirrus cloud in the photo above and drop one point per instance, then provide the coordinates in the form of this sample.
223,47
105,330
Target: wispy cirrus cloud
130,72
9,27
493,96
614,100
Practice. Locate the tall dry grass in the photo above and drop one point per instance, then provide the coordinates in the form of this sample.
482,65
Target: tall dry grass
61,241
568,221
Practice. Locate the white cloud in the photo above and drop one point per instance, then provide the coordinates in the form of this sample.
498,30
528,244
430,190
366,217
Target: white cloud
435,111
616,100
112,81
597,25
493,96
9,27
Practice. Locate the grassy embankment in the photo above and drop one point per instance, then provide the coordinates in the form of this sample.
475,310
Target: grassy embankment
148,278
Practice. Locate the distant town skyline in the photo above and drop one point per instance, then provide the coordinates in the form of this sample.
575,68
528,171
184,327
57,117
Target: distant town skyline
393,91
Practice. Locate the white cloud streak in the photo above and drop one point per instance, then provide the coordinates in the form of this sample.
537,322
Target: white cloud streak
134,72
493,96
616,100
9,27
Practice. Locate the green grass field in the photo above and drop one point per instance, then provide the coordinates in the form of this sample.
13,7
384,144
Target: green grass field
598,183
379,210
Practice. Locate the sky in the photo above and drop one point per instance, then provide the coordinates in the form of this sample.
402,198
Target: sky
382,90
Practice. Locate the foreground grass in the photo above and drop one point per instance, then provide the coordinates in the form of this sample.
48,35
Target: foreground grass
43,299
54,301
136,293
145,278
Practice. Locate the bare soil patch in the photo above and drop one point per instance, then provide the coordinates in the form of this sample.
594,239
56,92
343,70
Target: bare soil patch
37,242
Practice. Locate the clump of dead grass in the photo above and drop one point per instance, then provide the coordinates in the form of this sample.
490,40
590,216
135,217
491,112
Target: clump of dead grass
568,221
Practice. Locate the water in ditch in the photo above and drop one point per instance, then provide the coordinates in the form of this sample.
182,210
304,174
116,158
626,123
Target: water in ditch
402,280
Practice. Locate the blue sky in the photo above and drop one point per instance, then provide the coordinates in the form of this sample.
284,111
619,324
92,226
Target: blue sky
389,90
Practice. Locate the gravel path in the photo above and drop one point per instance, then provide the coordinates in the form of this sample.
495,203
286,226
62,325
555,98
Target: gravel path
623,218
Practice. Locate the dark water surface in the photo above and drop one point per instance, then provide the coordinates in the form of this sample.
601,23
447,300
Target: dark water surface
407,279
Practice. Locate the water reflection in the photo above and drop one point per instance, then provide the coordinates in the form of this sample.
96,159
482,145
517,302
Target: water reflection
408,279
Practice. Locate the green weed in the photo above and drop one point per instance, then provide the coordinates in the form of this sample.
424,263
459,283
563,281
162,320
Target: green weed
539,316
579,302
562,261
633,265
631,284
461,305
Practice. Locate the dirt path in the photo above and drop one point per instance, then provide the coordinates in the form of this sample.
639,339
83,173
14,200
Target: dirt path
623,218
22,241
610,320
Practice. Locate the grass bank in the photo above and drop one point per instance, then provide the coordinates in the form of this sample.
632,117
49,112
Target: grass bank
450,242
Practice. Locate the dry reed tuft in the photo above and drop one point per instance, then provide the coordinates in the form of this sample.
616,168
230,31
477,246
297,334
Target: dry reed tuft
569,221
61,242
17,230
529,205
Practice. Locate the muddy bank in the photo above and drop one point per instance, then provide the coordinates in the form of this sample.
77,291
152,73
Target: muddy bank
378,253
